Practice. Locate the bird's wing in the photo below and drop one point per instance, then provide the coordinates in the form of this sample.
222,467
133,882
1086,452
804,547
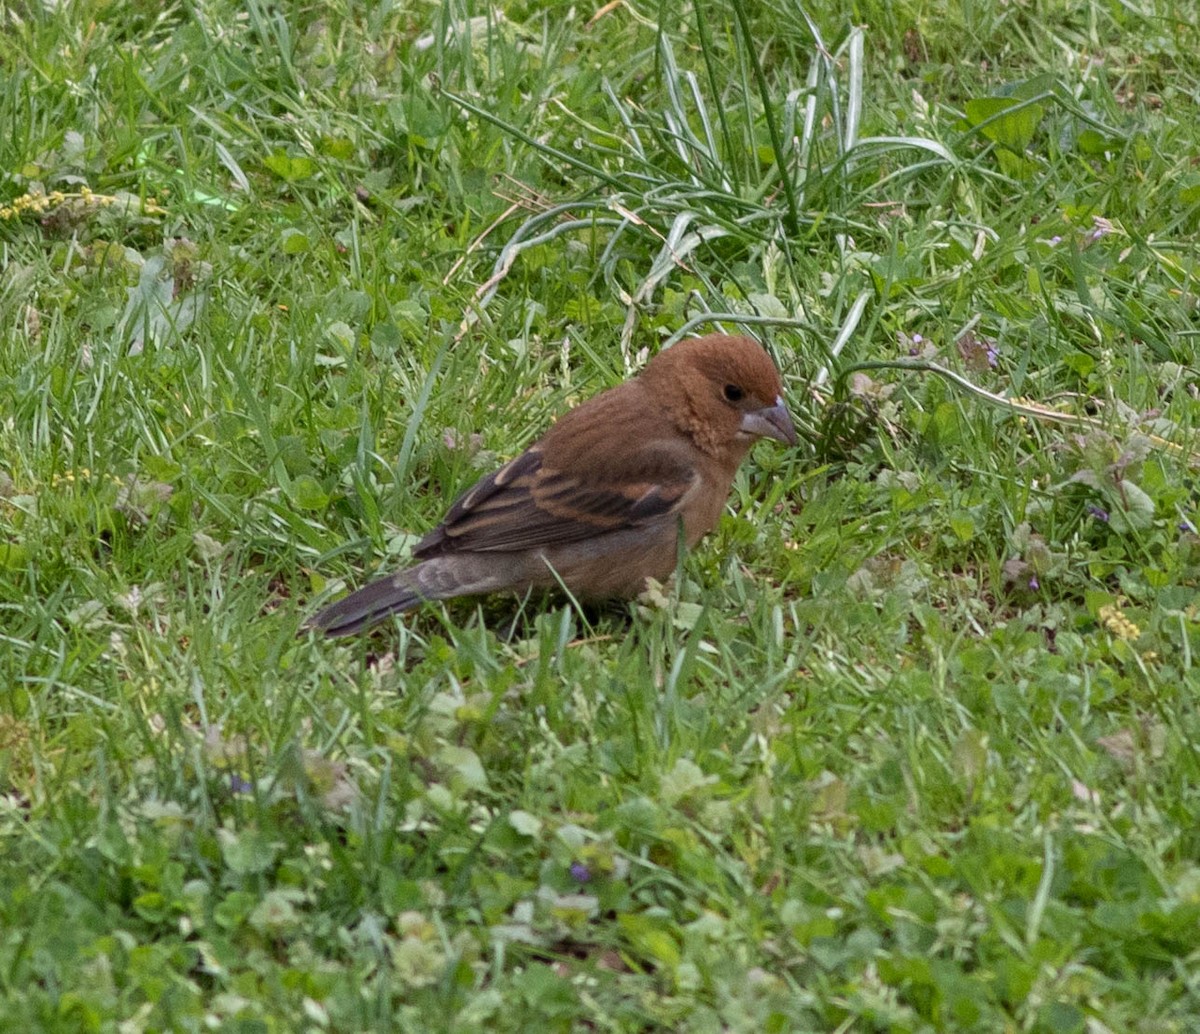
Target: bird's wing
527,504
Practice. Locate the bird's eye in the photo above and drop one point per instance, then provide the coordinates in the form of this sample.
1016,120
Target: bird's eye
733,393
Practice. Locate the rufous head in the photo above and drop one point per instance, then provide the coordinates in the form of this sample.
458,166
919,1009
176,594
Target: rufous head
723,391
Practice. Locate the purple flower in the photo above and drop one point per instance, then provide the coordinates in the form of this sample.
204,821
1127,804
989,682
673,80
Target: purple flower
239,785
1034,584
1099,514
580,873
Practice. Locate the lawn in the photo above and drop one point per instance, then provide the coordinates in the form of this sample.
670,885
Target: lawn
911,743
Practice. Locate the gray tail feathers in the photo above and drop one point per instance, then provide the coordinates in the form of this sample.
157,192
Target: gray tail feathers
371,603
437,578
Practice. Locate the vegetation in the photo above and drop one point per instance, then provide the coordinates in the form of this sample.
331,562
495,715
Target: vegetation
909,745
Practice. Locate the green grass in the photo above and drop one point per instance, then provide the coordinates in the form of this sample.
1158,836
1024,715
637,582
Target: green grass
912,744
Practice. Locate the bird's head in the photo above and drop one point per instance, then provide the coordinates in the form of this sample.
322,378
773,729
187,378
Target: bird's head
723,391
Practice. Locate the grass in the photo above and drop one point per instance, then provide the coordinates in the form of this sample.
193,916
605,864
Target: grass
911,743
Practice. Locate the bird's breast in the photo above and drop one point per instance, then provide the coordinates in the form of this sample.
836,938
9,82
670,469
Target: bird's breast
702,509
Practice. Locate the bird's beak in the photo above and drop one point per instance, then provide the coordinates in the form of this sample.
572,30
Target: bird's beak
770,422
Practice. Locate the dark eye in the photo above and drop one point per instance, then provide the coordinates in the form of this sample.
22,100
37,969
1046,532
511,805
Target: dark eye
733,393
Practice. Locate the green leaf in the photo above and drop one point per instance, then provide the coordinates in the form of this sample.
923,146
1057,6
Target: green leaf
1016,166
291,168
247,851
1137,513
524,823
970,753
685,778
151,906
650,938
338,147
1189,190
13,555
234,909
421,123
546,992
1005,120
275,913
293,241
1079,362
1092,142
306,493
1030,88
1061,1018
468,771
963,527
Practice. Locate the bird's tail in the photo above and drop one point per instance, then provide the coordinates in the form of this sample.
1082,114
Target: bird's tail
435,579
366,606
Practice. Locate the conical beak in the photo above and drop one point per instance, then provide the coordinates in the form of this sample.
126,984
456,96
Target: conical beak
770,422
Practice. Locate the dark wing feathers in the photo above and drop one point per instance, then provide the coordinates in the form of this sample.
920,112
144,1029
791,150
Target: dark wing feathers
514,472
526,505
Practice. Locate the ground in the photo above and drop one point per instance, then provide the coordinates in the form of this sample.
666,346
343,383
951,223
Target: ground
909,744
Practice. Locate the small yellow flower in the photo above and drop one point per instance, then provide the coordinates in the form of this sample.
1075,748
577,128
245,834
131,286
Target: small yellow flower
1116,623
38,204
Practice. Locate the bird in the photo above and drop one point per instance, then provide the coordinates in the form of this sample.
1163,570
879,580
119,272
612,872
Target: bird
602,501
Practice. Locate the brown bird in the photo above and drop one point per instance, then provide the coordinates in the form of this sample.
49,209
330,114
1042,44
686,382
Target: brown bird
599,504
